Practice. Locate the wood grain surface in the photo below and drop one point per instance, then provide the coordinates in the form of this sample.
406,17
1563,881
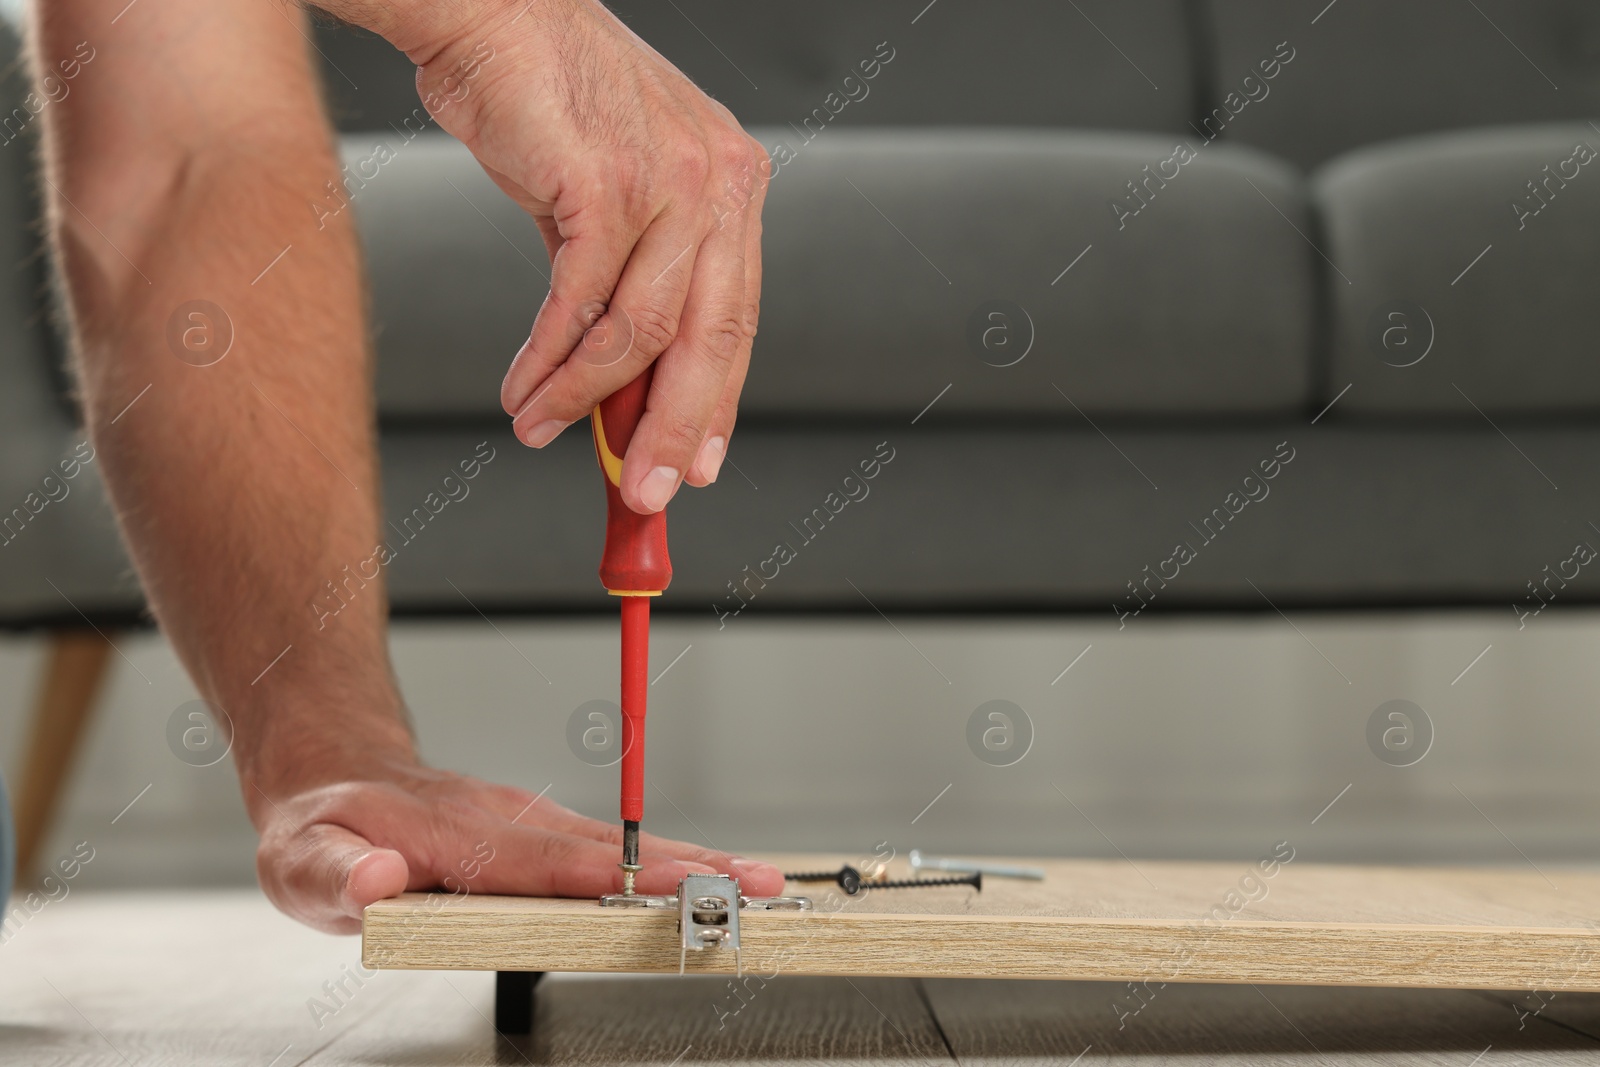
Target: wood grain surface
1281,922
137,979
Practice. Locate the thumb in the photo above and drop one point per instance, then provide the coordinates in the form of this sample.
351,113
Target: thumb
325,875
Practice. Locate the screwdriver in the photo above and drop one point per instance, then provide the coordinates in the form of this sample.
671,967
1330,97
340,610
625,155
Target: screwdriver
634,567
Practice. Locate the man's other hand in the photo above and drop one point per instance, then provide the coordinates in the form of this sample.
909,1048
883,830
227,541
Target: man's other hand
328,849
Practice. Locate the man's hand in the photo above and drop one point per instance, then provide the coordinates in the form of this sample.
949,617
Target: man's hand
649,197
245,481
328,850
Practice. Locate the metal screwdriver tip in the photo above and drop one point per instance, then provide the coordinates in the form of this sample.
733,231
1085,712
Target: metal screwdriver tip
630,855
630,842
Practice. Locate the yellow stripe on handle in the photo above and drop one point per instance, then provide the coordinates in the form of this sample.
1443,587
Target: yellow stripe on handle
610,462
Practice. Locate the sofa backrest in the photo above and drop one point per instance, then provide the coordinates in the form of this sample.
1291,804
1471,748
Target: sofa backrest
1373,70
1099,64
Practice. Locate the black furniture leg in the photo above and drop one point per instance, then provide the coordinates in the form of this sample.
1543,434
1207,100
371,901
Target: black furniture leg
513,1000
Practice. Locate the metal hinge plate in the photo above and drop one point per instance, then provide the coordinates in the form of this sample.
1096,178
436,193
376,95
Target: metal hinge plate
708,907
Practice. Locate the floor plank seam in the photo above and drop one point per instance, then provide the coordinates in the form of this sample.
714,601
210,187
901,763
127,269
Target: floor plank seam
1500,1001
933,1017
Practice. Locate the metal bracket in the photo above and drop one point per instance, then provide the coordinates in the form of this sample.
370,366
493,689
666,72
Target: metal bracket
708,908
708,916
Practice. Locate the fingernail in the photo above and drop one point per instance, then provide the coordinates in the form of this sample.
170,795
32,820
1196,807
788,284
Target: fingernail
751,865
710,458
658,487
543,433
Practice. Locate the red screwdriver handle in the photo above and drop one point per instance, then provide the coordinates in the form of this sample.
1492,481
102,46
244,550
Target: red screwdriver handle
635,561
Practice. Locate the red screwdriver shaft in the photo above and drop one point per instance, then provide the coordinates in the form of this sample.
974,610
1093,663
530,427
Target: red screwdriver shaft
634,567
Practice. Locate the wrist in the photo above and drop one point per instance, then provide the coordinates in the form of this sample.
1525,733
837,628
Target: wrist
299,746
426,30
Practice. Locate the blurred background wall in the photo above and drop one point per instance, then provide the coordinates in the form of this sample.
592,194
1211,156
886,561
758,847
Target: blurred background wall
1181,737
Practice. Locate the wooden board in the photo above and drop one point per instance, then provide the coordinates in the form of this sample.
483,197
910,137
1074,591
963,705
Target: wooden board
218,978
1465,928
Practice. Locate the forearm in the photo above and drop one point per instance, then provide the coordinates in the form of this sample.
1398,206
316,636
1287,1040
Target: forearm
244,486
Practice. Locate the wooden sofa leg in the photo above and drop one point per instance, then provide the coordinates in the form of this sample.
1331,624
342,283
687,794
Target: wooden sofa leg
75,669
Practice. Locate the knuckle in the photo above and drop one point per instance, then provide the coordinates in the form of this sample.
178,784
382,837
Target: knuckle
275,887
690,162
724,337
584,313
282,871
336,878
732,152
683,436
555,851
654,327
269,860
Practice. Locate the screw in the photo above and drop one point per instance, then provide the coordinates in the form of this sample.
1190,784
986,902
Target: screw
849,879
920,863
975,880
628,872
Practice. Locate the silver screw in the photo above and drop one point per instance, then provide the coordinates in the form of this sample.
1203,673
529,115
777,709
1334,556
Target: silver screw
920,863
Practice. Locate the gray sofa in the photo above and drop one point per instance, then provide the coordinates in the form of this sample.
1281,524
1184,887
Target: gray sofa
1182,318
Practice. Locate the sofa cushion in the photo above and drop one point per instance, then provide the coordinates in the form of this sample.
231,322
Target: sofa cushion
1034,518
958,517
900,262
1471,262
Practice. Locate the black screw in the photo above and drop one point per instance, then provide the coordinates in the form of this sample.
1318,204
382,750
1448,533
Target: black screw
849,879
975,880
